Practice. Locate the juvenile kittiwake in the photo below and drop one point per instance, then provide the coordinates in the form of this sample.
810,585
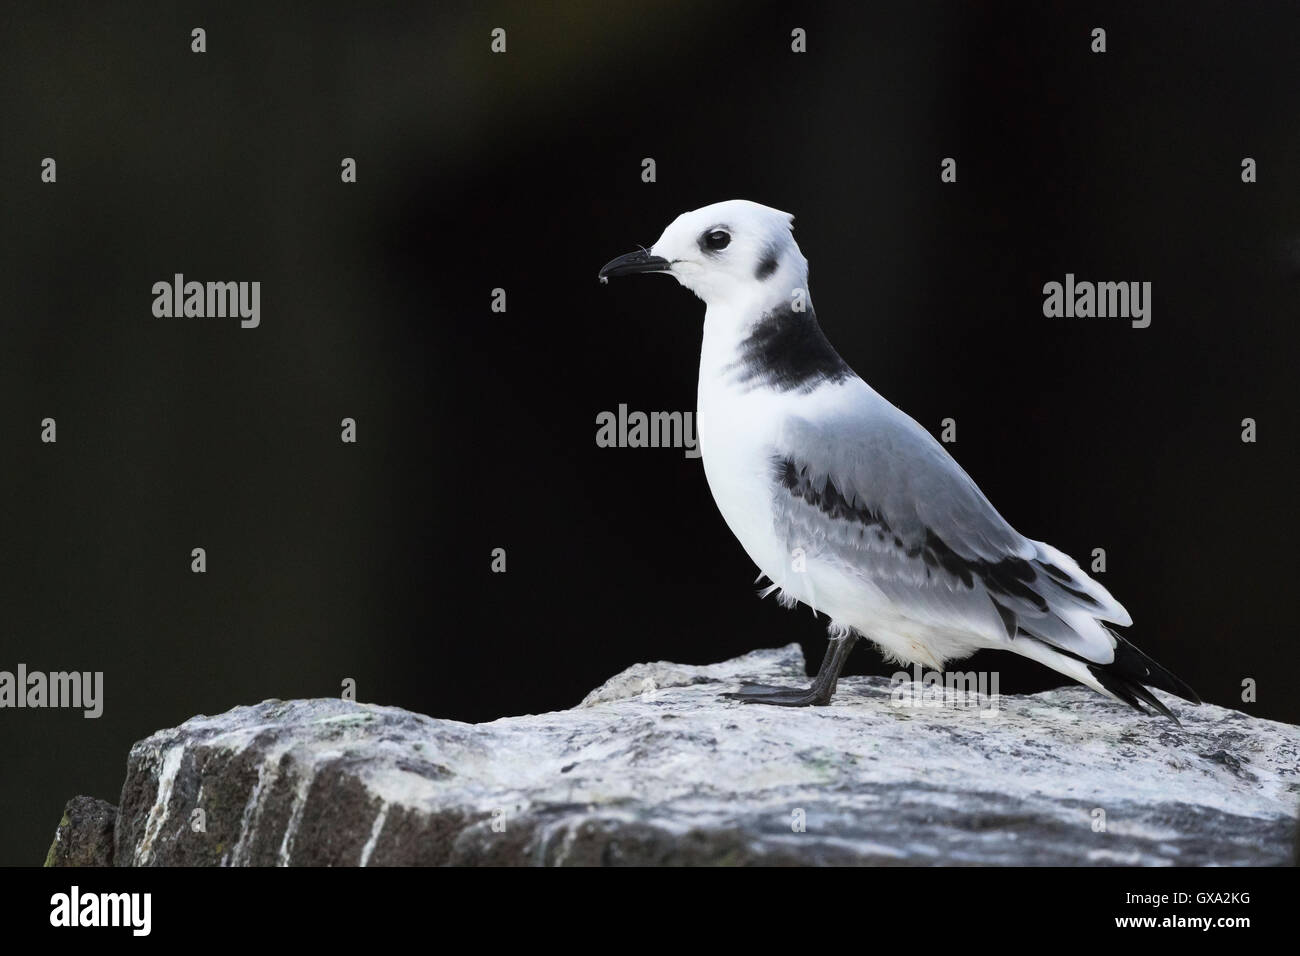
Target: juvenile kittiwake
847,504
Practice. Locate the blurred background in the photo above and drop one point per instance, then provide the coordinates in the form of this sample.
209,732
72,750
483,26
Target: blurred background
476,430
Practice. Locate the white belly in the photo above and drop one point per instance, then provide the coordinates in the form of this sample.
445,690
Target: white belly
738,432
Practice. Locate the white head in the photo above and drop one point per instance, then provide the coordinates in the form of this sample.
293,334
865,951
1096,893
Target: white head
731,252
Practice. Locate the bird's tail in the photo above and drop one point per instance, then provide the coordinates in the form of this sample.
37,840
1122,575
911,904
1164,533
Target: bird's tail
1126,678
1131,672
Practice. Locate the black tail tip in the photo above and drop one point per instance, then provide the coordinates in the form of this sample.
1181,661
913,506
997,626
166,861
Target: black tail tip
1132,690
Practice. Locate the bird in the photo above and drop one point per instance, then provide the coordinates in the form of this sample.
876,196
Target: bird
847,505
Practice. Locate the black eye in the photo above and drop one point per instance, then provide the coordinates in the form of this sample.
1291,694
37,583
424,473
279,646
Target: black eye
717,239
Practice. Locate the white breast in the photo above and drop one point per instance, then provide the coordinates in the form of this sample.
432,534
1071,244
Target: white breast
739,430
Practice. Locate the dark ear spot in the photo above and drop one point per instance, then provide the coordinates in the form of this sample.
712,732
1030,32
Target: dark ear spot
766,267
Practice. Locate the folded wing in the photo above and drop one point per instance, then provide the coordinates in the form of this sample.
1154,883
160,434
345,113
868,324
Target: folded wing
874,492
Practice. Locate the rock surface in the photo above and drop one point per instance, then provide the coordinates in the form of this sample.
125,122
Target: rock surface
656,767
85,834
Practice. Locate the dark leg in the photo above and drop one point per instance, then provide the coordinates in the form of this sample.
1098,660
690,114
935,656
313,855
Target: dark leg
823,686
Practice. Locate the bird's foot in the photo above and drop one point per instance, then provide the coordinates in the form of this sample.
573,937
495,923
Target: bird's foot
813,696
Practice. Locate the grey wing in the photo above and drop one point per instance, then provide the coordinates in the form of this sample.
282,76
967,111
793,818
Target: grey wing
874,492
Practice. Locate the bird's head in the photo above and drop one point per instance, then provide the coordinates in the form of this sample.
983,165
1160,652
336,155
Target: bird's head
735,251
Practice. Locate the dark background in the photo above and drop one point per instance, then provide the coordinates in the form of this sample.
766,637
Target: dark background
371,561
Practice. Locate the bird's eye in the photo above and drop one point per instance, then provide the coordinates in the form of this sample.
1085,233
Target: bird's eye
717,239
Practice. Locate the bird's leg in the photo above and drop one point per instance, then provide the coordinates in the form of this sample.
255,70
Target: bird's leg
843,646
823,686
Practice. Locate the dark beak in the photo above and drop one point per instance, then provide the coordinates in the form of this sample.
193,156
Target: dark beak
632,264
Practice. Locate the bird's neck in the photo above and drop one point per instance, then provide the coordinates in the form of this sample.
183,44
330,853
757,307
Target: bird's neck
769,340
731,319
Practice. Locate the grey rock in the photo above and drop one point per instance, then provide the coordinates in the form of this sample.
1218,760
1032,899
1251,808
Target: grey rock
84,836
656,767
